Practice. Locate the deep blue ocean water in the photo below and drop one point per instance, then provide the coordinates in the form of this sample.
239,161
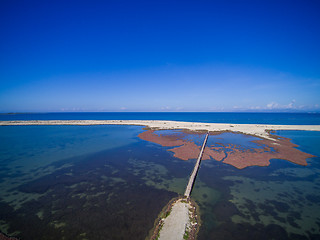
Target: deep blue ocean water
103,182
250,118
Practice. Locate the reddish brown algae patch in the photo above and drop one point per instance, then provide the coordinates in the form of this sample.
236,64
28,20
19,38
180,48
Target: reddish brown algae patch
184,150
163,140
231,154
188,150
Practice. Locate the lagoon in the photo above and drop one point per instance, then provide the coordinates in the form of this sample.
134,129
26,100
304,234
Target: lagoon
103,182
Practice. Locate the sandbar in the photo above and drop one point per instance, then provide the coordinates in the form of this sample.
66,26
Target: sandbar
259,130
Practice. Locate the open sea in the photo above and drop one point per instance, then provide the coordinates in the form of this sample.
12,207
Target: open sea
103,182
250,118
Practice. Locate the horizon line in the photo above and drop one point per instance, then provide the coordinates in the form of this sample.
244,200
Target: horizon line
48,112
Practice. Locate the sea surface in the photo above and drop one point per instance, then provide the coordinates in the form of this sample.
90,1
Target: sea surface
250,118
103,182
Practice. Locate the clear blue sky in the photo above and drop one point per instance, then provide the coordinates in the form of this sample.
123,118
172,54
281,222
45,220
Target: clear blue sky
159,55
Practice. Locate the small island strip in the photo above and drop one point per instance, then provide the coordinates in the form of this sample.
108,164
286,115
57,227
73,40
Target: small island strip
259,130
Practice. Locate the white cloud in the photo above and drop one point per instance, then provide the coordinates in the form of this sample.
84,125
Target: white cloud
273,105
291,104
165,108
255,108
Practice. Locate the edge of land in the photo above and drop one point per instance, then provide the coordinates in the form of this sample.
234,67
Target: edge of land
259,130
165,223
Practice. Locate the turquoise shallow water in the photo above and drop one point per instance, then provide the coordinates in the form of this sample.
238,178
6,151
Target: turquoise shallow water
103,182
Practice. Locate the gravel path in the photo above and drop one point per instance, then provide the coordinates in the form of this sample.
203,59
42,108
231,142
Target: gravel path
175,224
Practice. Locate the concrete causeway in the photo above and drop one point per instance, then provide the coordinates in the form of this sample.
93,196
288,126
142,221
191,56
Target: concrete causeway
178,225
195,169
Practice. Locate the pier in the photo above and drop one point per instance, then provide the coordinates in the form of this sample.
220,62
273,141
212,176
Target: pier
195,169
178,225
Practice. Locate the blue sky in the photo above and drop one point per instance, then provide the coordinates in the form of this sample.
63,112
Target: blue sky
159,56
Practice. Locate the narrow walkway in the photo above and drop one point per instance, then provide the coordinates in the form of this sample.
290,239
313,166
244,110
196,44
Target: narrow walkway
177,222
195,169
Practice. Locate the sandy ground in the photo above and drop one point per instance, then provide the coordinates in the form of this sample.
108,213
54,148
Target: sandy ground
258,130
175,224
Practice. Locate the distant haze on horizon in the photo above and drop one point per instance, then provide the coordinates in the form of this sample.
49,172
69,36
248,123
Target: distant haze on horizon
147,56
